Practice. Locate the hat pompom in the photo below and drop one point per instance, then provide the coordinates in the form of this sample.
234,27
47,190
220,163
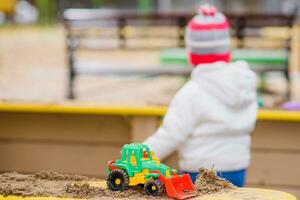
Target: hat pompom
208,10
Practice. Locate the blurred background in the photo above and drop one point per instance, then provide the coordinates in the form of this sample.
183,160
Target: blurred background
39,29
79,78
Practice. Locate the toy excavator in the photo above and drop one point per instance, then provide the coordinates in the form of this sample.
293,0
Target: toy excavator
139,166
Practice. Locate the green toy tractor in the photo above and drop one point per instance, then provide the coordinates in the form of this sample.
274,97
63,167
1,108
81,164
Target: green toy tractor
139,166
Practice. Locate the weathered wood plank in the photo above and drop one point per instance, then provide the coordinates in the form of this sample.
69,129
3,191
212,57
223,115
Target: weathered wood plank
64,127
274,168
67,158
80,159
84,143
277,135
143,127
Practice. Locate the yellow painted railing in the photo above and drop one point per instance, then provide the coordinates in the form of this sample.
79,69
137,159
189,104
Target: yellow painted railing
278,115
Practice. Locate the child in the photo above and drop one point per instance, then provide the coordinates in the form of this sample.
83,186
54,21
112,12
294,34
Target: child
210,119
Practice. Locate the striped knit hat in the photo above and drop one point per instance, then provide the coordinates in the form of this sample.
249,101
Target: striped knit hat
207,37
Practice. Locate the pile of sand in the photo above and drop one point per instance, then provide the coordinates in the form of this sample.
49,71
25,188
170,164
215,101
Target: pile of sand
208,182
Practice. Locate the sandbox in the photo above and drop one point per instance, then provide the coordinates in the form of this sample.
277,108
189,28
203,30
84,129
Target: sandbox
46,185
73,138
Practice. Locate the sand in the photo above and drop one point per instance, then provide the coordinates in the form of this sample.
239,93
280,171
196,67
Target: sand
49,183
208,183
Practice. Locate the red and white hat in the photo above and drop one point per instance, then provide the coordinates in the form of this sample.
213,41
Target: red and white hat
207,37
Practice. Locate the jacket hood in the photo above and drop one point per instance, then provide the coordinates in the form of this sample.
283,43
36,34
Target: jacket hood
231,83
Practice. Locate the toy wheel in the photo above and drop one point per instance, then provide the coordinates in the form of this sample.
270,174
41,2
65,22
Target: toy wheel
117,180
153,187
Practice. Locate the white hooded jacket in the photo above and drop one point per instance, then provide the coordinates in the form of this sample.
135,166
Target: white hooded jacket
210,119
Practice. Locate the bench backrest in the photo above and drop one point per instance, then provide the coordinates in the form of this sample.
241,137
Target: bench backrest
80,22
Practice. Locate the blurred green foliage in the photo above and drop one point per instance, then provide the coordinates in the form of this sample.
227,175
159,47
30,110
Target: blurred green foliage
97,3
47,11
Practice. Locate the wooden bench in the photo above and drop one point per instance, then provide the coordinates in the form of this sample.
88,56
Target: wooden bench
80,22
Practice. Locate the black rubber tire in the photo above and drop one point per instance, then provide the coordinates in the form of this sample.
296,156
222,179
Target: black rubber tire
154,187
117,180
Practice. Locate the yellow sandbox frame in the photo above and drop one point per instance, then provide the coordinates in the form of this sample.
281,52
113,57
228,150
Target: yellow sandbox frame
278,115
239,194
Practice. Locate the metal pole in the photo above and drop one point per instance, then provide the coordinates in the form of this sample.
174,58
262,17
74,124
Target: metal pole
165,5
